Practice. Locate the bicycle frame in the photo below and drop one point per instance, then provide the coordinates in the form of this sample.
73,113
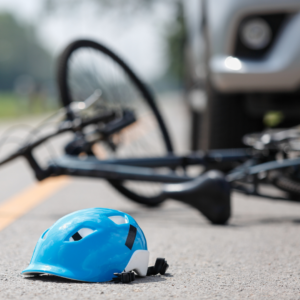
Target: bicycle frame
209,192
140,169
147,168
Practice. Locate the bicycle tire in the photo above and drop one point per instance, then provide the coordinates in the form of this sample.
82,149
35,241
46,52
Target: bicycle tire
66,98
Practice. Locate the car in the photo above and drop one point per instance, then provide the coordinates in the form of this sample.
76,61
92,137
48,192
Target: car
242,61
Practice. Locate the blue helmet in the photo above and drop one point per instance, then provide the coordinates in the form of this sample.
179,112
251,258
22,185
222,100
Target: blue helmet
91,245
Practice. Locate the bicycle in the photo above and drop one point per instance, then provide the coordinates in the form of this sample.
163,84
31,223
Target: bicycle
120,136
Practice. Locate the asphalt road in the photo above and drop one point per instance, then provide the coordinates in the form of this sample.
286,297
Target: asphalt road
256,256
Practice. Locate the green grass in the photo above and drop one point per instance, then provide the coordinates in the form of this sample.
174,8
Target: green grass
12,106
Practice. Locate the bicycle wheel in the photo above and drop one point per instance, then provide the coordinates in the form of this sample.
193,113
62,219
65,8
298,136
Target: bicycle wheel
85,67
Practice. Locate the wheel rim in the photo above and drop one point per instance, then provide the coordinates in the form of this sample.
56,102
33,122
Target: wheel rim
88,68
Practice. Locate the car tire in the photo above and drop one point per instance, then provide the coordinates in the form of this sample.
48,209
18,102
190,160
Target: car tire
226,121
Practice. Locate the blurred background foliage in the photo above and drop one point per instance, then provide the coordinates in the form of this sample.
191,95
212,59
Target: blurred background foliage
27,66
174,30
21,53
25,70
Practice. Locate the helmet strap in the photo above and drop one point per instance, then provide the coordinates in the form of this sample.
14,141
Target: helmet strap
124,277
160,267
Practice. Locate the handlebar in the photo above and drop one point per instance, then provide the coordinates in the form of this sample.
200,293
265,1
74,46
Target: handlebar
75,125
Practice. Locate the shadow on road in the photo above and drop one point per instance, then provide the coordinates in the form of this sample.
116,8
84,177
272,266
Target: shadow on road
56,279
245,222
186,217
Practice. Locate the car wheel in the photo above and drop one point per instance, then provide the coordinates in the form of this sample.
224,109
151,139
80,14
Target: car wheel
226,121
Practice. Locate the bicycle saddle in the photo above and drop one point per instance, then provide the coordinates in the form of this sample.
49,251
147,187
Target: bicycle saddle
209,193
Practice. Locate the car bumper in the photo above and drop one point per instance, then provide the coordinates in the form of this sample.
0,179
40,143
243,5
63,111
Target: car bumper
279,70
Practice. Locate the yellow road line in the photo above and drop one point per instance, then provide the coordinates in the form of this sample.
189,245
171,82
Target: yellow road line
23,202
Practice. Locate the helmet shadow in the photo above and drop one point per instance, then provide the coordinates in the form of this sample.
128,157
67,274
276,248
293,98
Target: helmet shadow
56,279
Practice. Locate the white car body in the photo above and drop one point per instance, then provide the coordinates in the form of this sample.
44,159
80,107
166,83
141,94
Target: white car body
277,70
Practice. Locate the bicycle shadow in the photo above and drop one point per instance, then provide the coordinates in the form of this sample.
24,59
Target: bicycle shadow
266,221
172,213
186,217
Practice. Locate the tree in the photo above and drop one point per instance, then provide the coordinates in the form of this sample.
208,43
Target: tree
21,54
176,39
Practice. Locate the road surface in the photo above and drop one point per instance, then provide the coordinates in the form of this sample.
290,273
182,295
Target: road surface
256,256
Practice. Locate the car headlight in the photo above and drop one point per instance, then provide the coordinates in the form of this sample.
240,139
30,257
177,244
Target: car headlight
256,33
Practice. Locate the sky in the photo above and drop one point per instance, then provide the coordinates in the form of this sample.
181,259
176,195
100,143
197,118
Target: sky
137,38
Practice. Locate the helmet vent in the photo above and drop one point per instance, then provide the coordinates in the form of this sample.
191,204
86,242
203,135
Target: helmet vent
80,234
119,219
45,234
